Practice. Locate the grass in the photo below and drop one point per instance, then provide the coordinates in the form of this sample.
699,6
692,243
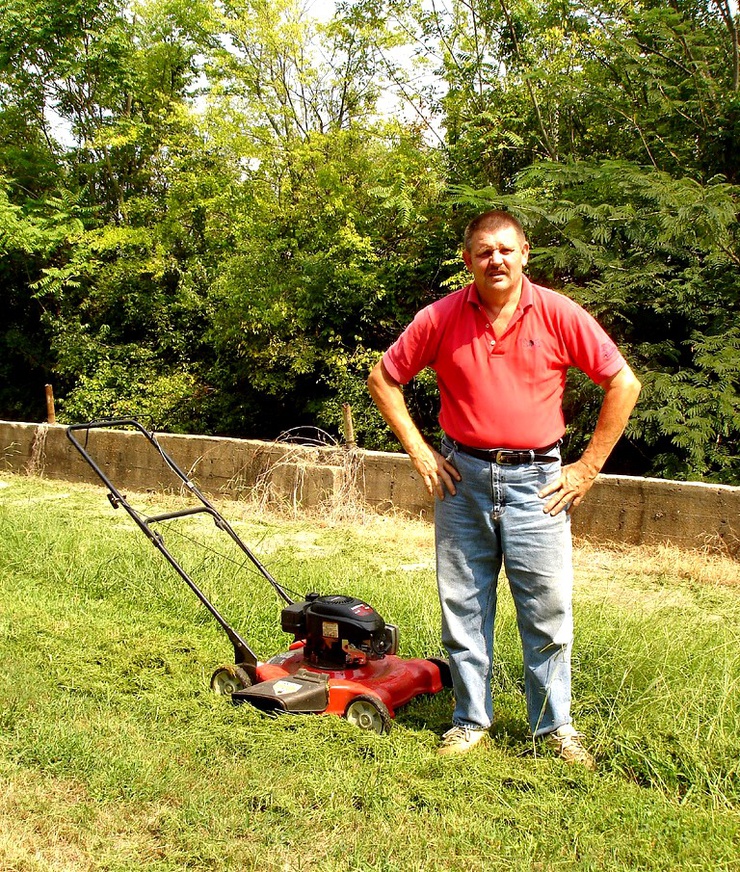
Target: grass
114,754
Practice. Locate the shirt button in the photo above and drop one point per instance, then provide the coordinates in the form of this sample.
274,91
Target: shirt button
493,342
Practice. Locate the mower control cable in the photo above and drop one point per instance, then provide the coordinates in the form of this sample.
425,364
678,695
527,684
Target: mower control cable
241,564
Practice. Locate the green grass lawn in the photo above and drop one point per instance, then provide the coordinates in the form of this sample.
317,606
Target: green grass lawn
115,755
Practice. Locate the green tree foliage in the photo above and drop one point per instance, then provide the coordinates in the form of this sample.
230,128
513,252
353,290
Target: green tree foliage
311,293
102,309
206,221
240,262
31,236
651,82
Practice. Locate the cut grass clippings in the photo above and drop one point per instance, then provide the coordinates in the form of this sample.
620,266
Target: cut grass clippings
115,755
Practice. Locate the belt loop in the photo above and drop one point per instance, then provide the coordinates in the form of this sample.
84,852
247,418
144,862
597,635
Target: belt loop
531,455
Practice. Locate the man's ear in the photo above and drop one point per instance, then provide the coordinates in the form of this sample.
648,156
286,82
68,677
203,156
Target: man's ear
468,259
525,253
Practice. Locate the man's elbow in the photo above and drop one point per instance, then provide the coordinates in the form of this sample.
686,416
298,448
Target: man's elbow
379,382
374,379
633,385
625,384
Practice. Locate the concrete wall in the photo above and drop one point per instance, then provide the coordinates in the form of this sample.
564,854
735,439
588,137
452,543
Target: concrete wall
618,508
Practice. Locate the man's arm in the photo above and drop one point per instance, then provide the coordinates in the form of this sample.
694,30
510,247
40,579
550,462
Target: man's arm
437,473
620,395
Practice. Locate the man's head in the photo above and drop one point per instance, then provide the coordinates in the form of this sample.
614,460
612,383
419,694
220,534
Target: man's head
496,251
493,220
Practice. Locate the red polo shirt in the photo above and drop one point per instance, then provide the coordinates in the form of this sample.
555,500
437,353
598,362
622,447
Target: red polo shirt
505,392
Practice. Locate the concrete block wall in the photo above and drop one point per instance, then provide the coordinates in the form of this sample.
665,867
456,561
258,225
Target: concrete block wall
620,509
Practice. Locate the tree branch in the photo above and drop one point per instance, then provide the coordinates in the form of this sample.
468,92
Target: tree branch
549,147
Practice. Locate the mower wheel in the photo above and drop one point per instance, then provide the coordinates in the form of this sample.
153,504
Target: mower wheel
228,679
369,713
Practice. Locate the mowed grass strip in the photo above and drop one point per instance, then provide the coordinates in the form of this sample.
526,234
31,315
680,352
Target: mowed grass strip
115,755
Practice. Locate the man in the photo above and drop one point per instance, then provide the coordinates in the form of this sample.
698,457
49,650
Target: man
501,348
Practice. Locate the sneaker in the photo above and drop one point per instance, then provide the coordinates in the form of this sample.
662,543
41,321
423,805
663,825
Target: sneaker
459,740
566,742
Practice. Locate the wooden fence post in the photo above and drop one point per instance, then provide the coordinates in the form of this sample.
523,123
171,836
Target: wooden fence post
349,427
51,417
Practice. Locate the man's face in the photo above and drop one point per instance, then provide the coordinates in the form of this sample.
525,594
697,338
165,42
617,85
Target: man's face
496,259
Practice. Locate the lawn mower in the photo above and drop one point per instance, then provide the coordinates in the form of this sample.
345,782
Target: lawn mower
342,660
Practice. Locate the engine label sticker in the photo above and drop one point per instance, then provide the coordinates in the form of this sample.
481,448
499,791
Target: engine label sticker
282,687
330,630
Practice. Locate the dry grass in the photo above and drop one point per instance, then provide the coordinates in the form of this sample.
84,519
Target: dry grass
283,485
52,824
657,562
410,540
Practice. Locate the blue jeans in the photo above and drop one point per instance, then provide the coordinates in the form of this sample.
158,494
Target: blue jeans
496,516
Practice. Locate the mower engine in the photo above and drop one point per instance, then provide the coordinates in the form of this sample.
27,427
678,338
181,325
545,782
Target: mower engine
340,632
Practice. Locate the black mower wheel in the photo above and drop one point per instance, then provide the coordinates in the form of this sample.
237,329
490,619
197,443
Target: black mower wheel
369,713
228,679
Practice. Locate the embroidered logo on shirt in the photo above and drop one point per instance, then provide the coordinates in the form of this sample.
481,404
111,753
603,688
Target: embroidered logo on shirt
608,350
531,343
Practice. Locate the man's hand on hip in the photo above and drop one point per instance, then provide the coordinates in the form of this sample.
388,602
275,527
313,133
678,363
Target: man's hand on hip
438,474
569,489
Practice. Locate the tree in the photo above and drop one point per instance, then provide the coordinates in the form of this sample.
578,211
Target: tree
645,81
314,289
112,315
255,250
29,237
621,163
207,220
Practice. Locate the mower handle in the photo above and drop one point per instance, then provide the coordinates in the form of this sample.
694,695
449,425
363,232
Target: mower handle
118,498
243,652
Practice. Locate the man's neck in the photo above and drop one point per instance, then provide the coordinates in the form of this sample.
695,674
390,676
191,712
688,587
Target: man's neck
500,306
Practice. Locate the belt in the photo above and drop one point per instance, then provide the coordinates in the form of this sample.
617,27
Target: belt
508,456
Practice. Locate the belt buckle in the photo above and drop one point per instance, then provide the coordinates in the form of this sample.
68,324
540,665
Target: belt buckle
509,457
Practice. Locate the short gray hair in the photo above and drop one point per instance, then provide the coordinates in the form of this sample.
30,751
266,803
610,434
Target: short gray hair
493,220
